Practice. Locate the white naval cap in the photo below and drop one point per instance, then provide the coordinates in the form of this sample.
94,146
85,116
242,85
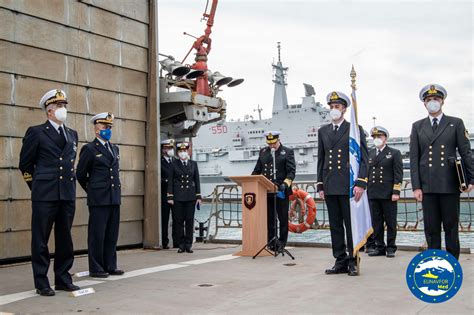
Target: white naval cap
182,146
379,130
433,90
167,143
272,136
104,118
53,96
338,97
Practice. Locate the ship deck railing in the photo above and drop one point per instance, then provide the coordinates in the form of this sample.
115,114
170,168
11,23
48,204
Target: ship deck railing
226,210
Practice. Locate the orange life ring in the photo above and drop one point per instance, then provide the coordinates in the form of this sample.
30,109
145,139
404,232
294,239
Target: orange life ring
304,199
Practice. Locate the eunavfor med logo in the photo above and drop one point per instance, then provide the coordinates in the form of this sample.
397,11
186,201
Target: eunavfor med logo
434,276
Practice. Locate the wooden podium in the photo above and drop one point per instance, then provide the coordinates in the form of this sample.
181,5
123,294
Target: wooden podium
254,220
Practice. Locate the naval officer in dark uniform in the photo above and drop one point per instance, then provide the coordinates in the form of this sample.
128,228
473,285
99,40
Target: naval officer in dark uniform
98,174
433,144
285,168
47,164
385,182
167,157
184,194
333,180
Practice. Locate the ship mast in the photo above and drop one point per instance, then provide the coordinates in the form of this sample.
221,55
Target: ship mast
280,100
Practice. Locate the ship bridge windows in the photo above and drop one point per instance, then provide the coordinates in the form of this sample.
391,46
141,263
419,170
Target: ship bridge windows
255,133
312,134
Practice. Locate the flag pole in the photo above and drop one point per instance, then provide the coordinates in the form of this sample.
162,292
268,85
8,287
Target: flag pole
353,75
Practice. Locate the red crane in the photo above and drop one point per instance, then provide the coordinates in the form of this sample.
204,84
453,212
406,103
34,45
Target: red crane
203,47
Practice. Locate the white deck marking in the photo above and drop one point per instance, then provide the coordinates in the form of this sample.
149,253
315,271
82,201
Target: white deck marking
10,298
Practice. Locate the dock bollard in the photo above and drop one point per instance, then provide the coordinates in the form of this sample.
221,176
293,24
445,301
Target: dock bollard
201,229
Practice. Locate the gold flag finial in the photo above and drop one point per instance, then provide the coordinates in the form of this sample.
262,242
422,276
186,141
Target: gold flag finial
353,78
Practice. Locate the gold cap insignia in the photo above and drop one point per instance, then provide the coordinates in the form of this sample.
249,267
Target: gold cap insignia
334,96
432,90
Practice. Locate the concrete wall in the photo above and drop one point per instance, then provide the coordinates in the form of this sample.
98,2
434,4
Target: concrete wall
97,51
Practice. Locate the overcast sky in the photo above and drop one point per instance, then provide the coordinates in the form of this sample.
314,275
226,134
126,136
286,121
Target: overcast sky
397,47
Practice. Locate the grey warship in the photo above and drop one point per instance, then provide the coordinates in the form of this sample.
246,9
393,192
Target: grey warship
229,148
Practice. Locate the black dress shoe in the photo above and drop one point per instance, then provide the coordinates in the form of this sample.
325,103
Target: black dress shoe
336,270
189,250
180,250
390,254
369,249
116,272
67,287
352,270
99,274
377,252
166,247
45,292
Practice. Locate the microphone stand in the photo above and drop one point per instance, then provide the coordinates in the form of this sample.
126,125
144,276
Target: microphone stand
274,240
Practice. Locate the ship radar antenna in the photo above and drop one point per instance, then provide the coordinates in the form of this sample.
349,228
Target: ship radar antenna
259,110
279,48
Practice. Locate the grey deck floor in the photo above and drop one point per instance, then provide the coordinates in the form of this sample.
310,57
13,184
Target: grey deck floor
240,285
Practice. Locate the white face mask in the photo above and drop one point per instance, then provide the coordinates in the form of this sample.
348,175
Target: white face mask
335,114
170,152
433,106
61,114
378,142
183,155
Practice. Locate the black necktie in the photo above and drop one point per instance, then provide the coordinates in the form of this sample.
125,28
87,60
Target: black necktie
107,145
185,163
378,151
61,138
435,124
335,129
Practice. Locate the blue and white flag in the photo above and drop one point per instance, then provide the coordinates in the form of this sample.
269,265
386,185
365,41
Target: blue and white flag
361,222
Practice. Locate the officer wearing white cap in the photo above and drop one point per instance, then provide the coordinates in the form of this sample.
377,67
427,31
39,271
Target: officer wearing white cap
184,194
47,164
167,157
98,174
434,141
333,180
285,168
385,180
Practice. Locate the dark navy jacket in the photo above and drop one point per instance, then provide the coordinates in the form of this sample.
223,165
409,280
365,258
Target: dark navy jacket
333,160
47,168
433,154
166,169
385,173
183,181
285,166
98,174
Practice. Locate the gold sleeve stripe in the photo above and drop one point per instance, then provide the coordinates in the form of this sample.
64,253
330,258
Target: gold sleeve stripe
288,182
363,179
27,177
170,194
397,187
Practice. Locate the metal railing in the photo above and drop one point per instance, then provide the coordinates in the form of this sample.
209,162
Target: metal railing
226,209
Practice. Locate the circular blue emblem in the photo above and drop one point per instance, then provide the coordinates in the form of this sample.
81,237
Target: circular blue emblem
434,276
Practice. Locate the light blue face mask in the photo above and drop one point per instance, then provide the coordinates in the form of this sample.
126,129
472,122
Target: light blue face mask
106,134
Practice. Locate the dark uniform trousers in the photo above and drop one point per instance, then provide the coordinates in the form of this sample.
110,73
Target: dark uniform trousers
166,208
282,213
433,170
285,168
333,179
47,164
98,174
339,212
385,180
184,189
384,211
